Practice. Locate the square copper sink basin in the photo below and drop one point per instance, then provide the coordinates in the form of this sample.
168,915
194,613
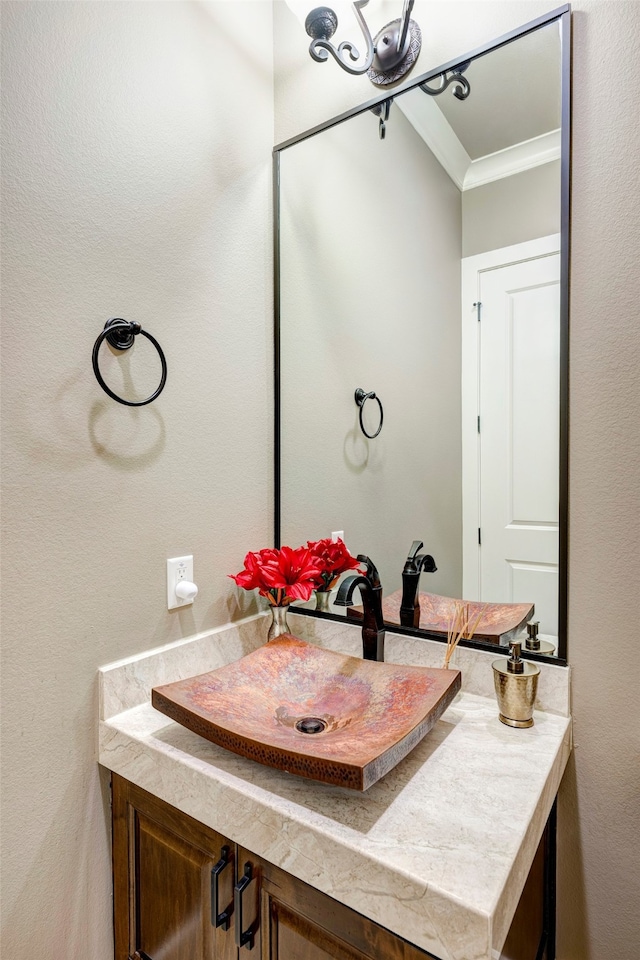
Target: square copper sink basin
312,712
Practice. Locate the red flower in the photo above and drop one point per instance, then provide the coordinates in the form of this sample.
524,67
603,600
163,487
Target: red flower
280,575
333,558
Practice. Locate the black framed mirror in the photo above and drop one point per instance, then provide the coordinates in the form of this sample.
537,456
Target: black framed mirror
428,269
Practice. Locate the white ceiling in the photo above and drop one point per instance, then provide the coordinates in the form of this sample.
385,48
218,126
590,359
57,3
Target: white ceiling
514,100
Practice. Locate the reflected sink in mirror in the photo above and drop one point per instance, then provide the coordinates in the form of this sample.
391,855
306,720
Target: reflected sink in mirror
313,712
493,622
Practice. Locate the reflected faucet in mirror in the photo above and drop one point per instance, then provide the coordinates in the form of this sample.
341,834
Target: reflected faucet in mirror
372,619
415,564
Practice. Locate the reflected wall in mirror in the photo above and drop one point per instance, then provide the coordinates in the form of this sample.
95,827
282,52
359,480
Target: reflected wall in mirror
430,267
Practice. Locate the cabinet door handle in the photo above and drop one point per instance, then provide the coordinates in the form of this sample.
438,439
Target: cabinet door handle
244,938
220,918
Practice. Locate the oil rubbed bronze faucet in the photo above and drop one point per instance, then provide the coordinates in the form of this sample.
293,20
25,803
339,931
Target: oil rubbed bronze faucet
414,565
372,622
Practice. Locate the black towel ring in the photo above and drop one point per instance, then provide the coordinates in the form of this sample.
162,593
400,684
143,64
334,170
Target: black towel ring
121,335
361,398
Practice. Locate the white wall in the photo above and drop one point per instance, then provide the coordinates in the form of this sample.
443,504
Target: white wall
521,207
136,165
599,879
347,196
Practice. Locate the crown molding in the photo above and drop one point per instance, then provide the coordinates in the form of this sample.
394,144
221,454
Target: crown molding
516,159
430,123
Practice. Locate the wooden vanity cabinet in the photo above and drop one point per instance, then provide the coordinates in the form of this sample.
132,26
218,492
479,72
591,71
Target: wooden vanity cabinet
163,869
300,923
174,885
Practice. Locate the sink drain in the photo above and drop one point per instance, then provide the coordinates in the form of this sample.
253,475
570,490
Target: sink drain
311,725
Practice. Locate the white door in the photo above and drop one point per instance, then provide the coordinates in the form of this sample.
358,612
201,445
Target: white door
515,460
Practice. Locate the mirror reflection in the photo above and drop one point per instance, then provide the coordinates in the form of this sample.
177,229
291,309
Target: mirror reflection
423,270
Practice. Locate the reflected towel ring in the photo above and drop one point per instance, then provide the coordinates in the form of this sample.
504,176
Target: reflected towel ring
121,335
361,398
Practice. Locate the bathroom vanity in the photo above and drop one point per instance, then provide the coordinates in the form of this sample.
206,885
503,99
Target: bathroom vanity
450,855
226,896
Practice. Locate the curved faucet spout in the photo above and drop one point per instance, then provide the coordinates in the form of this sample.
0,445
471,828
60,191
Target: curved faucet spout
372,620
344,597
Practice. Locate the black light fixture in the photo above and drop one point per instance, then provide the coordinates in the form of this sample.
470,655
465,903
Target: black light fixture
389,56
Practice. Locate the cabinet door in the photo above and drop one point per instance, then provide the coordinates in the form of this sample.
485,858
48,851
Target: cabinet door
168,872
300,923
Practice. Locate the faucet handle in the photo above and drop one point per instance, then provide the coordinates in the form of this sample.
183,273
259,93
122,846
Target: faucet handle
371,574
412,563
415,547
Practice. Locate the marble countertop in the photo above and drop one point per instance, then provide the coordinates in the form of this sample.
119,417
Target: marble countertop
437,851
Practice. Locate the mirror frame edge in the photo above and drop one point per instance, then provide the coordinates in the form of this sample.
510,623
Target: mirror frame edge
563,16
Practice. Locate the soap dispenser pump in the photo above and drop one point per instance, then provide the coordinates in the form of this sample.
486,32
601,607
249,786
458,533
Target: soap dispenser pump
534,644
516,684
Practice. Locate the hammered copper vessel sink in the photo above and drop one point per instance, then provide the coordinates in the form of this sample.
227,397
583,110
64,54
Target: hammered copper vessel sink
313,712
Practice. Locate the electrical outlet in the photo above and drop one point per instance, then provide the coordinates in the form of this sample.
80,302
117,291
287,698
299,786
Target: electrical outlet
178,569
337,535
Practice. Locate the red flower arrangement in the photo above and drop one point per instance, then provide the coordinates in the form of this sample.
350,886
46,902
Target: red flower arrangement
332,558
284,575
280,575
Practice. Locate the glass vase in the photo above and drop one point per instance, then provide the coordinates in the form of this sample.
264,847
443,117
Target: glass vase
278,624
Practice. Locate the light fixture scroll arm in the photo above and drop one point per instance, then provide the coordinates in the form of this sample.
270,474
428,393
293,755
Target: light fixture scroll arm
321,46
461,86
404,26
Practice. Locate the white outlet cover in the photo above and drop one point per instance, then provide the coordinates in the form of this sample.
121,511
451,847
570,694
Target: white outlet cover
178,568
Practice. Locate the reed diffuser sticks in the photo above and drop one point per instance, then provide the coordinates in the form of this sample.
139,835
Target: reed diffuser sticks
460,629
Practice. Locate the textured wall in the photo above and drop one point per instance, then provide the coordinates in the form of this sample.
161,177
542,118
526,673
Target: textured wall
136,167
599,851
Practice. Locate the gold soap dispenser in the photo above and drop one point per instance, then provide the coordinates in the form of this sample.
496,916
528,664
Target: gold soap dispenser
516,683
